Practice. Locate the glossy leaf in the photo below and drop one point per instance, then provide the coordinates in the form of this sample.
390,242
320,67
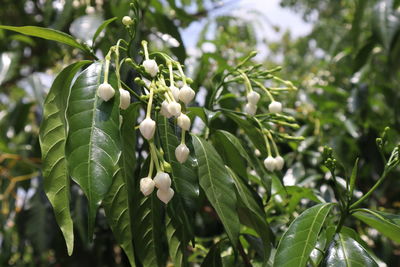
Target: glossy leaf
250,212
300,239
345,251
52,137
116,204
217,185
386,223
93,143
48,34
385,23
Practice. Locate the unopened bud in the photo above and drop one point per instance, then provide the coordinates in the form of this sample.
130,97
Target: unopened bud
184,122
250,109
147,128
175,92
150,66
164,110
174,108
124,98
186,94
162,180
146,185
127,21
105,91
182,153
279,162
275,107
253,97
269,163
165,195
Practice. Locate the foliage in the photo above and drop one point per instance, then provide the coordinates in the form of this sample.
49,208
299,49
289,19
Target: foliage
232,203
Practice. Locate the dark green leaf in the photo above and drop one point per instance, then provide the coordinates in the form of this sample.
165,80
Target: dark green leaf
52,136
300,239
217,184
386,223
353,179
93,142
117,204
101,28
251,214
385,23
213,258
48,34
345,251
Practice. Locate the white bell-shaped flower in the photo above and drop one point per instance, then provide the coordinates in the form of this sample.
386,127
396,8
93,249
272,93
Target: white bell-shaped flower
147,185
165,195
162,180
175,92
151,67
182,153
105,91
124,98
174,108
127,21
275,107
184,122
279,162
164,110
253,97
186,94
147,128
250,109
269,163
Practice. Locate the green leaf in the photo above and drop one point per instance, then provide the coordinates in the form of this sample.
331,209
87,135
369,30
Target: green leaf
251,214
93,143
232,151
48,34
300,239
353,179
101,28
250,129
213,258
117,204
149,228
345,251
52,138
386,223
177,249
217,185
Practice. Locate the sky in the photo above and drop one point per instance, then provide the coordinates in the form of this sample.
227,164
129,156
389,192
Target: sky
275,15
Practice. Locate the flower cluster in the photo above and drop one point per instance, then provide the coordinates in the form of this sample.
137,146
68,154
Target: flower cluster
173,102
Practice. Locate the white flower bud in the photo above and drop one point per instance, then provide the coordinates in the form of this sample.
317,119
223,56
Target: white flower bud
147,128
186,94
127,21
279,162
164,110
253,97
105,91
146,186
150,66
275,107
165,195
184,122
175,92
182,153
174,108
250,109
124,98
269,163
162,180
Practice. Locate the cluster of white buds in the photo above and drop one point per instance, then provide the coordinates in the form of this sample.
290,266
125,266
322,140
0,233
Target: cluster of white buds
273,164
172,103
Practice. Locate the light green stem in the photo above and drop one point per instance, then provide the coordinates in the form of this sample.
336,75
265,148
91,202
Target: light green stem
149,104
